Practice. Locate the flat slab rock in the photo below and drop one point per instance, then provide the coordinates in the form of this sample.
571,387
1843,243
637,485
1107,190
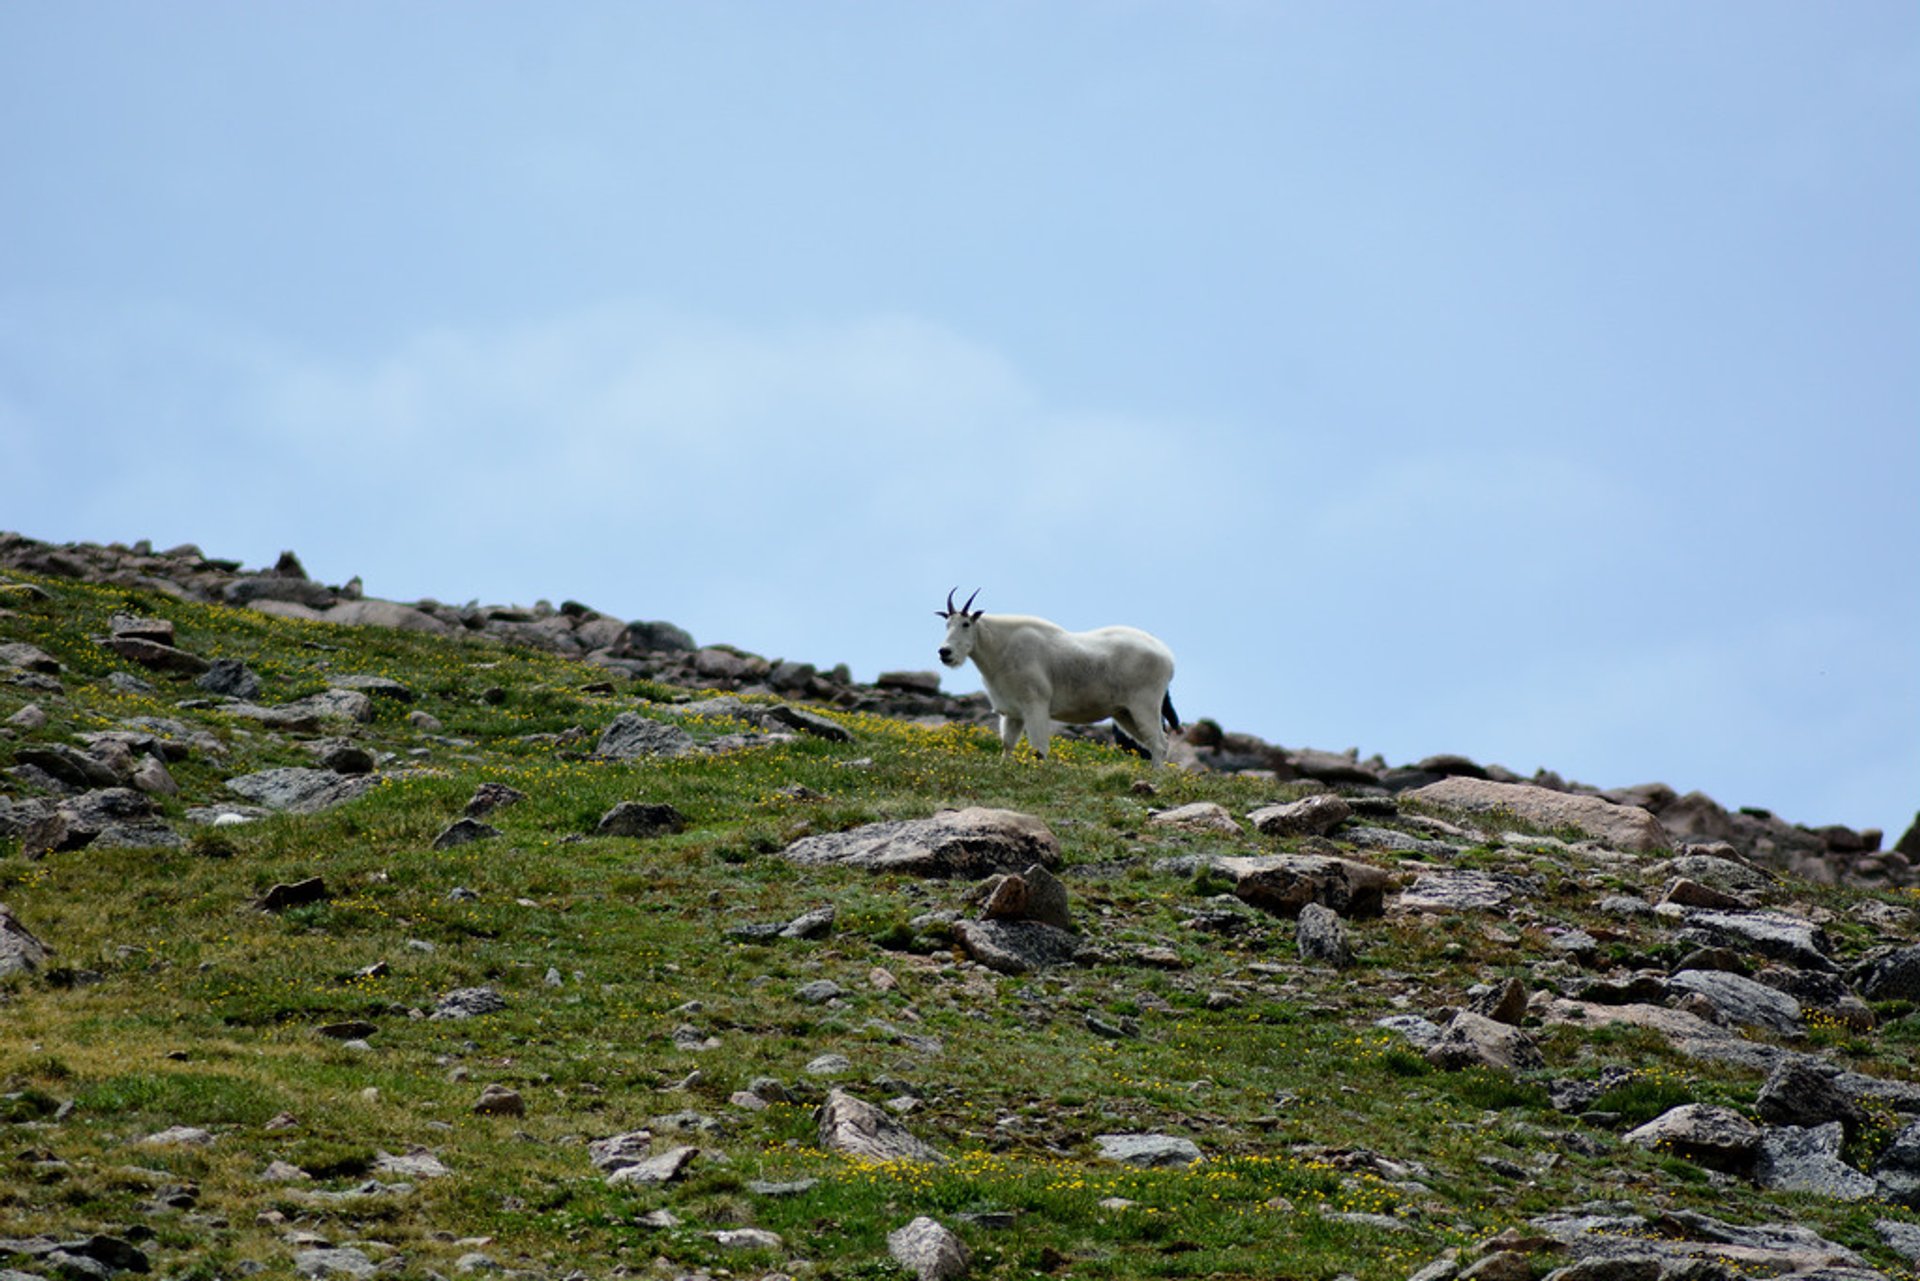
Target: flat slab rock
973,842
1149,1150
1016,947
1765,1249
1621,827
301,791
1461,890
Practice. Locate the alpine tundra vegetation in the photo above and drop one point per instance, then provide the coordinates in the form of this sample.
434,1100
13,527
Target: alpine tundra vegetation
352,938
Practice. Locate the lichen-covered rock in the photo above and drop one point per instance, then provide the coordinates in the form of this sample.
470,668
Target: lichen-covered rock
1702,1132
973,842
856,1127
1621,827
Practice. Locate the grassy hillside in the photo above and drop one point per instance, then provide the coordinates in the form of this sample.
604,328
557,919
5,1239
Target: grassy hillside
634,1001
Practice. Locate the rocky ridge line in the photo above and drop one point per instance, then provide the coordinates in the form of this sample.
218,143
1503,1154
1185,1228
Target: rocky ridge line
662,651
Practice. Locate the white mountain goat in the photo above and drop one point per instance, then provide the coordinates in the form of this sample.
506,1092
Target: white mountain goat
1037,672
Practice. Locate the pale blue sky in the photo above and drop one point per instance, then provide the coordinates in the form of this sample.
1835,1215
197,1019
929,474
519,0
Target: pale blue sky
1540,382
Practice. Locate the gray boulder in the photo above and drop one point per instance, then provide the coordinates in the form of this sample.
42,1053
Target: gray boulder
297,790
1793,1159
159,657
320,1265
1016,947
384,613
1459,890
1898,1168
1149,1151
468,1003
1779,935
1320,935
658,1168
1798,1093
1892,976
20,951
1704,1133
632,736
972,842
1741,1001
28,658
927,1249
464,831
854,1126
230,677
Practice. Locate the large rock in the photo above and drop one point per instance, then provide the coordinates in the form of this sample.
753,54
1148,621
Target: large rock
639,820
1792,1159
1016,947
1451,889
1285,883
1798,1093
1690,1244
1898,1168
1780,935
851,1125
1894,976
301,791
1702,1132
1320,935
19,949
632,736
1473,1040
1741,1001
971,842
1622,827
28,658
1149,1151
383,613
1313,816
927,1249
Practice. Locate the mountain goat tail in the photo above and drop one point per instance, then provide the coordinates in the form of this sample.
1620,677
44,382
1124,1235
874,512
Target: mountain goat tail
1170,717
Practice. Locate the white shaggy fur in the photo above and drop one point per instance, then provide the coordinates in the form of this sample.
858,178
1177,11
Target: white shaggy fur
1037,673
